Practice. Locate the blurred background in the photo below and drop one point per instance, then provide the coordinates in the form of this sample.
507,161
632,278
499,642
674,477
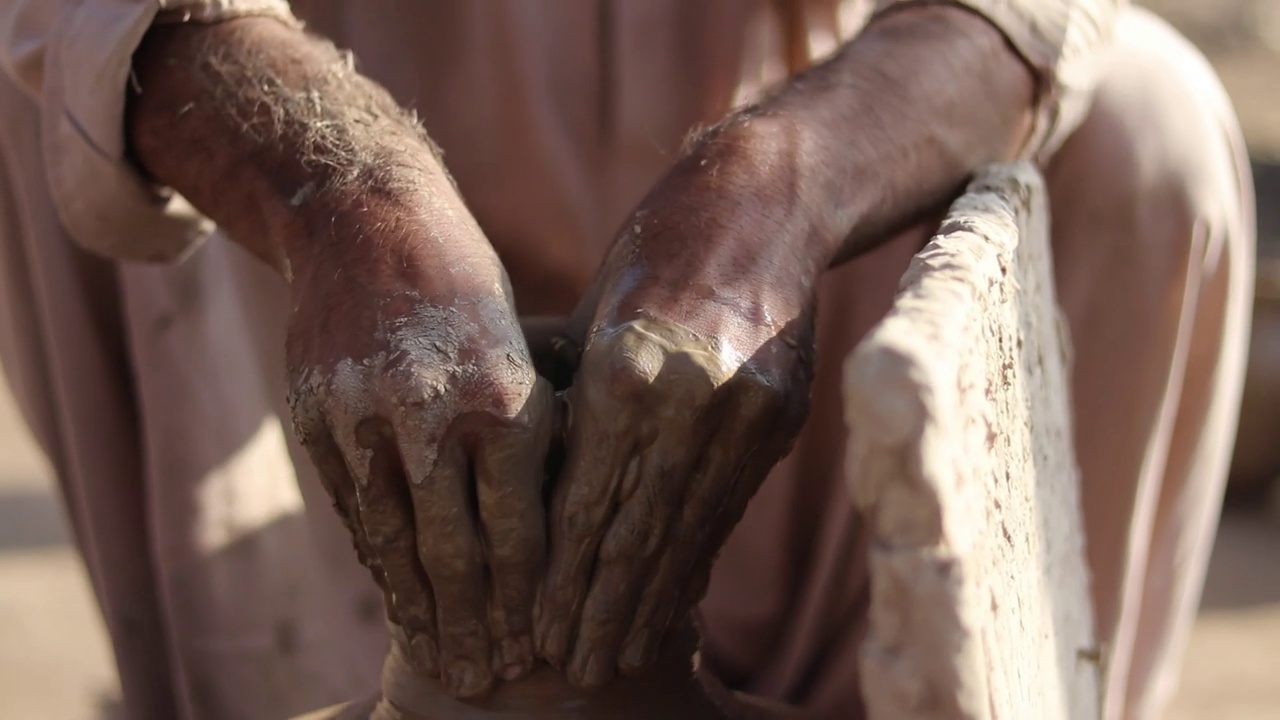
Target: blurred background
55,663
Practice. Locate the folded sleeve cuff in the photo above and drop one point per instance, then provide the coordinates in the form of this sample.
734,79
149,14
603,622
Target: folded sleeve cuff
102,199
1062,41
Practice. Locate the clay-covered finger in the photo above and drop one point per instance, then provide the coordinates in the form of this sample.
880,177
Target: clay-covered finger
599,449
508,468
314,436
751,475
649,498
448,547
659,597
729,473
774,423
386,517
337,481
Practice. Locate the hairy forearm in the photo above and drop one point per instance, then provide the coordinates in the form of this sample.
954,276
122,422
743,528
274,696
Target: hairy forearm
907,113
275,136
891,127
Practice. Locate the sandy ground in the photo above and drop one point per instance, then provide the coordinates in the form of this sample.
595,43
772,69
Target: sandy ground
55,662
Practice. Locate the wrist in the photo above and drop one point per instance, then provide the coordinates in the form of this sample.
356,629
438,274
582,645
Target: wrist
734,207
414,242
767,161
272,134
887,130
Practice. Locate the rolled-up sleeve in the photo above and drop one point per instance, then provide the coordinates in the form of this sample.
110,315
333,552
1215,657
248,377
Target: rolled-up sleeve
74,58
1062,40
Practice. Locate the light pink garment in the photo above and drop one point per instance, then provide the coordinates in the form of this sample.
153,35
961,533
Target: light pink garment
228,586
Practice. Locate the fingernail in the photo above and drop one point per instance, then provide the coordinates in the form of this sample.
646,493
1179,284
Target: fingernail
636,655
591,672
551,644
422,649
465,678
577,670
599,670
517,657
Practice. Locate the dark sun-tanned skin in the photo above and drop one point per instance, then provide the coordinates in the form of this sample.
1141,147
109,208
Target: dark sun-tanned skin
415,391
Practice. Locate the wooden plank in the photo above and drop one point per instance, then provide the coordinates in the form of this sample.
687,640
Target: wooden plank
961,456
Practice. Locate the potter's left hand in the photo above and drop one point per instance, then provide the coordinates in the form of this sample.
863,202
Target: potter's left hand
693,383
699,335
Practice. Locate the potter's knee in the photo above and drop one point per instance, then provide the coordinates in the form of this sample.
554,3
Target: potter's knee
1158,158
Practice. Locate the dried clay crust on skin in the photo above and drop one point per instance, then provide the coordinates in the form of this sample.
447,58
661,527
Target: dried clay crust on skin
426,347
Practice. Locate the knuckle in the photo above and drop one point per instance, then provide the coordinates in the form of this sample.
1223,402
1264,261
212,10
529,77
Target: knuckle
501,393
384,539
508,403
605,611
463,628
450,564
633,540
759,392
372,432
625,378
383,545
626,362
517,545
510,624
415,617
408,385
498,384
341,389
784,404
580,521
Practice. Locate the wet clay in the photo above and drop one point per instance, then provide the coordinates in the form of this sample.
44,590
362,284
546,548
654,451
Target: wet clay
672,689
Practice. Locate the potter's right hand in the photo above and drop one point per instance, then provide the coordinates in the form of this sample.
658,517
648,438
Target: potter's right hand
411,384
413,391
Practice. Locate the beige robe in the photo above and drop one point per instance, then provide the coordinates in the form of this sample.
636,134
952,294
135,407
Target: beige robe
228,587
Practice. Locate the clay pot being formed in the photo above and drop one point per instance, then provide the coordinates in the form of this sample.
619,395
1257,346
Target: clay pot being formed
673,689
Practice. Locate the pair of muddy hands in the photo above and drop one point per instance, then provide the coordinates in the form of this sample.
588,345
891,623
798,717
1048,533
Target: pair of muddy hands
506,522
687,364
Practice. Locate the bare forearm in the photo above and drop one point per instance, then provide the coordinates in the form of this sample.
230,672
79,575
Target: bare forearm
907,113
401,337
272,133
890,128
